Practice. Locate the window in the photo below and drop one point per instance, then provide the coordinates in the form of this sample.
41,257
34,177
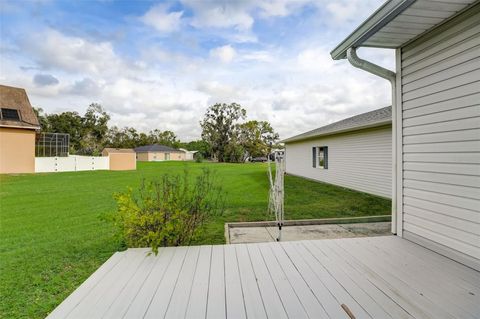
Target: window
10,115
320,157
167,156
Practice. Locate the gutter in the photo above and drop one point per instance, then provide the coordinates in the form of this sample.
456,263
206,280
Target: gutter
390,76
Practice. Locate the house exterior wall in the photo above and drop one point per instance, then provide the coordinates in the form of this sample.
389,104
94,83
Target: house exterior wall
360,160
122,161
440,102
160,156
143,157
17,150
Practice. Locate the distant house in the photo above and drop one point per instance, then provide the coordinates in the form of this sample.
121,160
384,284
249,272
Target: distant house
18,126
355,153
156,152
189,155
121,159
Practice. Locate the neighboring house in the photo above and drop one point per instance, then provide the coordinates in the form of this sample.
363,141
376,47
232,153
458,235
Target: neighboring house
155,152
189,155
18,126
436,119
354,153
121,159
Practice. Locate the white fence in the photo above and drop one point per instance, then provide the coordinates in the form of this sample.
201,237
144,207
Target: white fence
71,163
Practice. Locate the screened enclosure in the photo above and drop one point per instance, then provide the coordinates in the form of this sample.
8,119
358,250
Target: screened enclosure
52,145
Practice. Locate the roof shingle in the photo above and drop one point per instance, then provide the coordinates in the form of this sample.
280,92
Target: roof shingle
374,118
156,148
17,99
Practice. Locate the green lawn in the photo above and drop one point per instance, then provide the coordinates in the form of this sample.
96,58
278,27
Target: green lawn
52,238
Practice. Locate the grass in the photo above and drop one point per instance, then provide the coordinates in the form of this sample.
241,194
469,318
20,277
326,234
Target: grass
52,236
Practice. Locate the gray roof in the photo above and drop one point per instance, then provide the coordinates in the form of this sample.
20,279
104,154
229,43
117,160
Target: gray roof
156,148
374,118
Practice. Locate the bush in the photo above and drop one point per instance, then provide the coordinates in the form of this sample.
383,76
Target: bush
198,157
169,211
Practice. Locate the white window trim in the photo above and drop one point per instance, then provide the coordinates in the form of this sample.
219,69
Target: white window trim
318,157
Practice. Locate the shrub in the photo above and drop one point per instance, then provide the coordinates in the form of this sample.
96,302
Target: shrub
168,211
198,157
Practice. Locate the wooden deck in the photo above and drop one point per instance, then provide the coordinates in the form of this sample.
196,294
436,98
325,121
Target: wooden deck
375,277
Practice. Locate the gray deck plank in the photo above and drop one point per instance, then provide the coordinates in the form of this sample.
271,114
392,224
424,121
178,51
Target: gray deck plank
371,263
435,260
423,283
384,277
118,308
161,299
429,277
408,252
356,291
77,296
336,289
181,294
253,300
352,269
216,289
290,301
197,303
312,306
323,295
271,300
142,299
234,299
99,298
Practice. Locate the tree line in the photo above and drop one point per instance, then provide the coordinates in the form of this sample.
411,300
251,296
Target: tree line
226,137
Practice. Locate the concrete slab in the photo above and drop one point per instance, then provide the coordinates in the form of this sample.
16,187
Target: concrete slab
306,232
249,235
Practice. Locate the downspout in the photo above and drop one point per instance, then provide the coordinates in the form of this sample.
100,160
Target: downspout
390,76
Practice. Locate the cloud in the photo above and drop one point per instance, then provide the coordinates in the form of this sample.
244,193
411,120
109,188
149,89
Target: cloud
161,19
147,82
343,11
221,14
86,86
52,49
45,79
224,53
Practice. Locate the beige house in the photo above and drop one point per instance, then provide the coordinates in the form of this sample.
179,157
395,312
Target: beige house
355,153
121,159
156,152
18,126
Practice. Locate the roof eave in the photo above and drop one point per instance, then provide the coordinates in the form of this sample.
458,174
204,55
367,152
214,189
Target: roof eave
375,22
346,130
37,128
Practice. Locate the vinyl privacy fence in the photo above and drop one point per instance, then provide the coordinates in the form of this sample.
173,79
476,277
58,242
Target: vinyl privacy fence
71,163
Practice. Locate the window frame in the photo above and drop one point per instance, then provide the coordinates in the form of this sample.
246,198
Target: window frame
17,119
321,154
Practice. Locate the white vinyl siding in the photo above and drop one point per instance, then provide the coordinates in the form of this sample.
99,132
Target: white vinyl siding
441,139
360,160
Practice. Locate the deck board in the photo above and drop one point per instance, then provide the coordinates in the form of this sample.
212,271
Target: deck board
376,277
197,301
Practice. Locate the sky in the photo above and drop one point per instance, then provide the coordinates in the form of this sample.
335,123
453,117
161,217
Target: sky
160,64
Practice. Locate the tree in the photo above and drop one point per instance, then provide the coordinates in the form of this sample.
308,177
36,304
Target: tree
69,123
256,137
42,118
201,146
95,129
126,137
167,138
220,126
